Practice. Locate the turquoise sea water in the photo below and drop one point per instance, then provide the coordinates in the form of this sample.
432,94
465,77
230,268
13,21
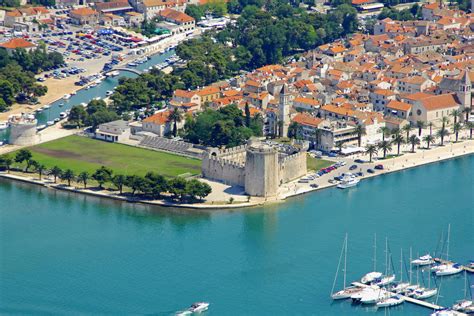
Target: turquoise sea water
64,253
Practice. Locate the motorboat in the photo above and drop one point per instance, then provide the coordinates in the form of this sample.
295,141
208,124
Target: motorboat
374,296
391,301
346,293
62,115
50,123
66,96
445,312
61,105
114,73
40,127
195,308
47,106
370,277
410,290
56,120
109,93
357,296
3,126
39,110
348,181
465,306
449,269
423,260
400,287
83,104
422,293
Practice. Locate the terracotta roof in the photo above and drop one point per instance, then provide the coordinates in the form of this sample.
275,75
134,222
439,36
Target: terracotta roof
117,4
414,80
441,101
208,90
384,92
17,43
159,118
153,3
338,110
184,93
399,106
308,101
83,11
417,96
176,16
306,119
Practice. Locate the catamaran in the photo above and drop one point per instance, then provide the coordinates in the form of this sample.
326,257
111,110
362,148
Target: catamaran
346,292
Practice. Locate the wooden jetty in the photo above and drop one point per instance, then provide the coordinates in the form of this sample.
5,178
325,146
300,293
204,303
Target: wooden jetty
442,261
408,299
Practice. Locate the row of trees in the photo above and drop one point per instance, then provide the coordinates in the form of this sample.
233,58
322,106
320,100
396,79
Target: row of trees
217,8
151,186
224,127
397,137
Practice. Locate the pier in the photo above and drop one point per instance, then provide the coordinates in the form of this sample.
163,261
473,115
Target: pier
442,261
408,299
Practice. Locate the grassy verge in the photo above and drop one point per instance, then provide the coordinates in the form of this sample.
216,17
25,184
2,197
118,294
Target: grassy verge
85,154
317,163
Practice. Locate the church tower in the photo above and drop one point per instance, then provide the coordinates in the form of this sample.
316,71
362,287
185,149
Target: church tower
464,91
284,110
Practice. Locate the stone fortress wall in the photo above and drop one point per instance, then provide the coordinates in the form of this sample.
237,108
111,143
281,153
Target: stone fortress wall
256,166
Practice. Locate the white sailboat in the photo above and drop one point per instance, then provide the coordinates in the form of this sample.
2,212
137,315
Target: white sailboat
448,268
346,292
387,278
400,286
466,305
391,301
423,260
372,276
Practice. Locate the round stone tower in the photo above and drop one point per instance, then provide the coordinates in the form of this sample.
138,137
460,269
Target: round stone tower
23,130
261,170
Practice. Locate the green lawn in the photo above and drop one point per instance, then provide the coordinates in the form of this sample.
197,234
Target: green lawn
85,154
316,163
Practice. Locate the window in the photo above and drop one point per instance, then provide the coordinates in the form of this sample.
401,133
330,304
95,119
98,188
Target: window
418,112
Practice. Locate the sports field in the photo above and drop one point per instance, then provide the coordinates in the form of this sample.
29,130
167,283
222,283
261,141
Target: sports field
317,163
85,154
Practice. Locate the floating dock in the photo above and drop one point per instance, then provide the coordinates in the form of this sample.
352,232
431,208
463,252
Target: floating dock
410,299
442,261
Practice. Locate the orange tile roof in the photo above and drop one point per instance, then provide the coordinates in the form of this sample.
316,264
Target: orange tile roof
441,101
308,101
17,43
159,118
338,110
208,90
83,11
176,16
384,92
417,96
399,106
306,119
184,93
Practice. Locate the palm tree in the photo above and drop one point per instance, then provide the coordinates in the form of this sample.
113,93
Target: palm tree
398,139
371,150
442,133
407,129
83,177
56,172
360,130
385,131
413,140
385,146
175,117
429,139
470,127
456,128
466,112
68,175
40,168
430,125
455,114
420,125
444,121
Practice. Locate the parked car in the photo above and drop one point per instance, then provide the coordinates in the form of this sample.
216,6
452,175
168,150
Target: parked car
379,167
370,171
358,161
353,167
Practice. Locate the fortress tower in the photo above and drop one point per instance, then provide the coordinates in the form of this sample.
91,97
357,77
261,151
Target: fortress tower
464,90
23,130
261,170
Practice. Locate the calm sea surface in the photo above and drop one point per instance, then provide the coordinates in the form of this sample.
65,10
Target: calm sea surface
63,253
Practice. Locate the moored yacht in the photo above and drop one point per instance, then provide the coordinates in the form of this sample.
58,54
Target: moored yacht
423,260
385,280
196,308
66,96
391,301
370,277
448,269
423,293
348,181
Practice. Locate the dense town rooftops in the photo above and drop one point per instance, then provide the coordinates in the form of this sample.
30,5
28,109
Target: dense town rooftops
176,16
307,120
399,106
17,43
159,118
83,12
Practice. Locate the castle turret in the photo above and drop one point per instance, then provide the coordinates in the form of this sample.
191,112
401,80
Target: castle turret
23,130
464,91
261,170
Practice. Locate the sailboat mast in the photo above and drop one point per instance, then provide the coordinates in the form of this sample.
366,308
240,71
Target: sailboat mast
375,251
338,267
411,271
401,265
386,256
447,242
345,262
417,272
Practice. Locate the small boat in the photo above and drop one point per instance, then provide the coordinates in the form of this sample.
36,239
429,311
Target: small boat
97,98
422,293
346,292
400,287
114,73
385,280
448,269
109,93
445,312
61,105
195,308
50,123
62,115
98,81
47,106
73,93
423,261
132,64
3,126
56,120
66,96
93,85
83,104
391,301
39,110
465,305
88,87
375,296
40,127
348,181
